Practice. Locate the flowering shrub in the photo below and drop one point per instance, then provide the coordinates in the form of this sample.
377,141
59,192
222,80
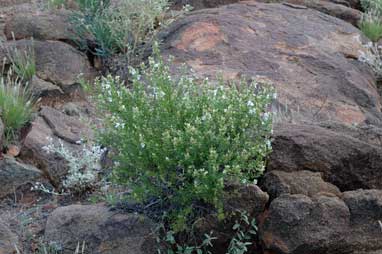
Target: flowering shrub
179,140
83,165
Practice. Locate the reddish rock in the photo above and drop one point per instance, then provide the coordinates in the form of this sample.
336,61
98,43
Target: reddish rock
299,224
277,183
334,9
314,76
342,10
311,59
324,224
345,160
365,207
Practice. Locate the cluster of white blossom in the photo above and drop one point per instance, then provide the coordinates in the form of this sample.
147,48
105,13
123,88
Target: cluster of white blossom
372,55
83,165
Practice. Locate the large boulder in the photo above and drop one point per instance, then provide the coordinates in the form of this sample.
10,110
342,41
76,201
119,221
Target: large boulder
344,160
311,59
14,174
103,231
365,207
299,224
277,183
314,76
48,25
342,10
331,8
324,224
56,62
8,8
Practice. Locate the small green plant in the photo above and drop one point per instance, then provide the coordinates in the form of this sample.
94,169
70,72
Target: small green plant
371,25
180,141
23,63
125,28
368,5
168,245
16,106
246,230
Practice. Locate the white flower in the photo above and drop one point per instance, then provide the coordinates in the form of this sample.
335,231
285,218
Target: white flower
266,116
250,103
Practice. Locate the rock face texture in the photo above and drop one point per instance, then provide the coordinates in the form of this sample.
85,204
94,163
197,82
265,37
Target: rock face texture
52,126
277,183
324,224
344,10
202,4
310,57
8,240
308,215
312,61
345,160
102,231
40,26
14,174
56,62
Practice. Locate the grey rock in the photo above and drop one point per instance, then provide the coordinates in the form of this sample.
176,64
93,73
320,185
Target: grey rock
8,240
299,224
14,174
46,25
103,231
56,62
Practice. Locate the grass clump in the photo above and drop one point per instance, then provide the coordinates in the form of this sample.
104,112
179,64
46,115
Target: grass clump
23,63
117,29
15,106
371,25
180,141
375,5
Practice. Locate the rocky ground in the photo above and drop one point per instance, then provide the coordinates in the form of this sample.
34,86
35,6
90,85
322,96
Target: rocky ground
322,191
